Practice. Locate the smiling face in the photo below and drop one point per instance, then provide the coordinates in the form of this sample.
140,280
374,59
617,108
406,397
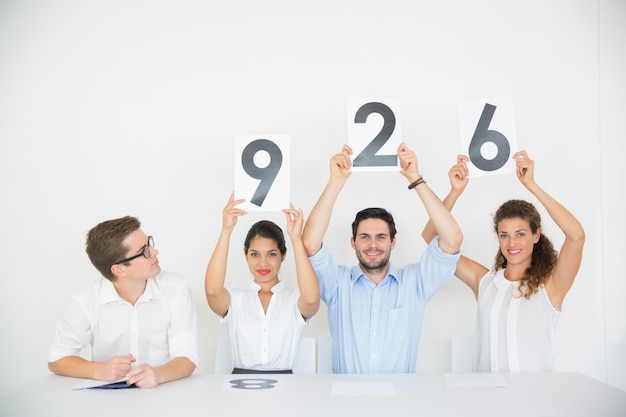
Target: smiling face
264,260
516,241
373,245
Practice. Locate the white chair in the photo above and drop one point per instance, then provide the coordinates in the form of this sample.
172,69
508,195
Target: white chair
304,362
223,356
462,353
324,354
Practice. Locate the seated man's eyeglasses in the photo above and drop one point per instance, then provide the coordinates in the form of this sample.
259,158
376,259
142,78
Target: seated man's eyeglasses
145,253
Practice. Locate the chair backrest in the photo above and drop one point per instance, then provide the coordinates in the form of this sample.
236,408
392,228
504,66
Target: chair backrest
324,354
304,362
223,356
462,353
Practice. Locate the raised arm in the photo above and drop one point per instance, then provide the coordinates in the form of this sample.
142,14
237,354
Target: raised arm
450,236
216,295
458,175
317,223
570,255
467,270
309,301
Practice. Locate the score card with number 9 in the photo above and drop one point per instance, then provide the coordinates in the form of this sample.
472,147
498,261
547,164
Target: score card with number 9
262,172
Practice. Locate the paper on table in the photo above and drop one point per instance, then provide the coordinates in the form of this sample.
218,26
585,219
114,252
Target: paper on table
370,389
94,383
474,380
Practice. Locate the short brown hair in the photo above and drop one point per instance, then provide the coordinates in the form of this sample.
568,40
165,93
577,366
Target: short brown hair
374,213
104,243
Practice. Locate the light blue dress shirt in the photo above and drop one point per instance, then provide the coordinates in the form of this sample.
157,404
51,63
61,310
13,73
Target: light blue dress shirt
376,328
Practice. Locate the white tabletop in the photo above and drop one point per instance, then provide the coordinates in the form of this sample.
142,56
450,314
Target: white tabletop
524,394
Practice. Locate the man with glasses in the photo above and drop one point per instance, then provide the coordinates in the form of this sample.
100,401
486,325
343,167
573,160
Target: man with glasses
139,321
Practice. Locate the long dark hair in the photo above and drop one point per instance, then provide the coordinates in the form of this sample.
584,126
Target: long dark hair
544,255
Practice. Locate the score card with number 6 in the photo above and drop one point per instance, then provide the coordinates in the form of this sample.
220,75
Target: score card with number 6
488,136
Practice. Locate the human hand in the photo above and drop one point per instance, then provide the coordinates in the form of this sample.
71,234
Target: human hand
295,222
408,162
341,163
144,376
459,174
231,213
525,169
116,368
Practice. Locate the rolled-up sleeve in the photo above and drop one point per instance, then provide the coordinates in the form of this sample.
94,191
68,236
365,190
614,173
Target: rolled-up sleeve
183,332
328,273
436,269
72,332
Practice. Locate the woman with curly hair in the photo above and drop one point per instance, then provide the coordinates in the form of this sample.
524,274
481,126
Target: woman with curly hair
520,299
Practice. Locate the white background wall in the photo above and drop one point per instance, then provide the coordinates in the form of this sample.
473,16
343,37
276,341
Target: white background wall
110,108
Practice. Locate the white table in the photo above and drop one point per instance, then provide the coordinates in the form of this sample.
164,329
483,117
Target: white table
526,394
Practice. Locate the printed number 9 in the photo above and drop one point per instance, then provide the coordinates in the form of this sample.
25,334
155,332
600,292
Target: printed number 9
267,174
483,135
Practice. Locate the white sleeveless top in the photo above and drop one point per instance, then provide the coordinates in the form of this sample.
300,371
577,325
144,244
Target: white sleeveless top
513,333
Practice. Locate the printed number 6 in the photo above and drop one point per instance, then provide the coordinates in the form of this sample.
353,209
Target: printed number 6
483,135
368,156
266,174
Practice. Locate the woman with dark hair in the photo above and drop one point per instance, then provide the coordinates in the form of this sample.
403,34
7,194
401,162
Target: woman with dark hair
520,299
264,322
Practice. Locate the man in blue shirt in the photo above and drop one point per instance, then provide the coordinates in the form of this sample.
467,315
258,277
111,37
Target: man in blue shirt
374,309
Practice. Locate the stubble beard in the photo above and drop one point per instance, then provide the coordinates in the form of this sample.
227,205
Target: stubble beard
371,267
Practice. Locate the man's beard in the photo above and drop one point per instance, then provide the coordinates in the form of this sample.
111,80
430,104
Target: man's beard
372,267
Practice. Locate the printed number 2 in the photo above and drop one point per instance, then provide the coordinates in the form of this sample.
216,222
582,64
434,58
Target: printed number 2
368,156
483,135
266,174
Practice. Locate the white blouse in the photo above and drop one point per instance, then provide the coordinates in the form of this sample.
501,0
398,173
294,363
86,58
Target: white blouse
259,340
513,333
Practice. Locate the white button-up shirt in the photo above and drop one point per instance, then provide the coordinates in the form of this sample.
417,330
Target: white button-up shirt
160,326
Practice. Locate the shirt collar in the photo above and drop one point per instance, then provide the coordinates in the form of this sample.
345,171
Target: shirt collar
502,283
275,289
357,273
108,294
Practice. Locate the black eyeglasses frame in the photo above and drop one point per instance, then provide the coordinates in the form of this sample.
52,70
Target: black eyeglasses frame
145,253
